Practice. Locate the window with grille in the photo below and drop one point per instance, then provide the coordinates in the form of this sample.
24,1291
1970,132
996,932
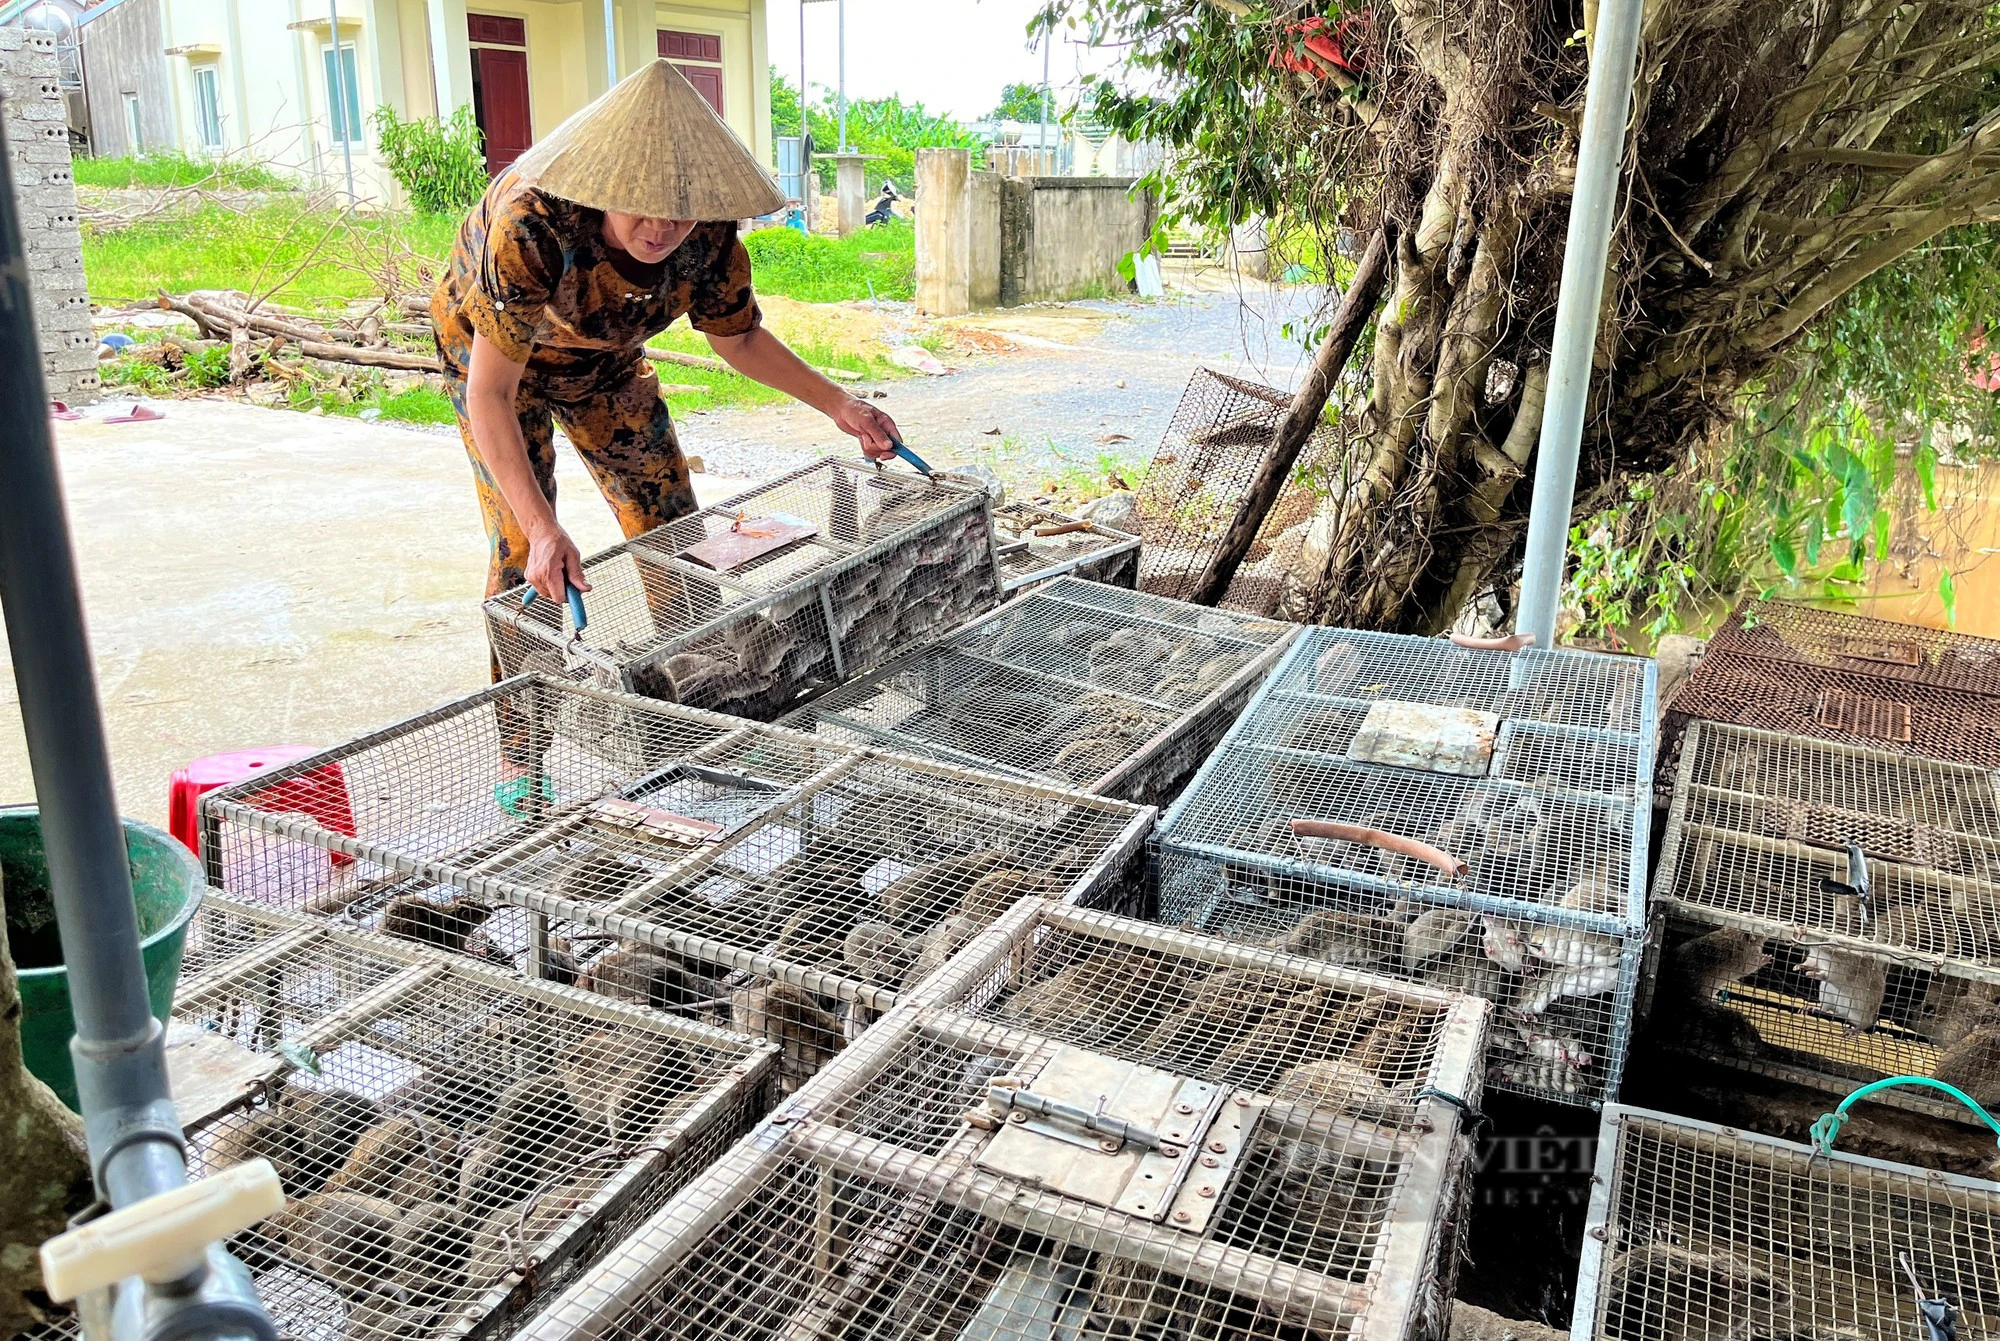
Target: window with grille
207,107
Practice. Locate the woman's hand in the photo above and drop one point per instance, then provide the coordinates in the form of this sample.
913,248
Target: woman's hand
554,564
877,431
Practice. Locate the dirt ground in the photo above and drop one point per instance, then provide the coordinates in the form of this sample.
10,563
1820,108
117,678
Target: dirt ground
260,577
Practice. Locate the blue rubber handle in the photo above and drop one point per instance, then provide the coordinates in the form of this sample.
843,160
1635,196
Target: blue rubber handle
576,615
910,456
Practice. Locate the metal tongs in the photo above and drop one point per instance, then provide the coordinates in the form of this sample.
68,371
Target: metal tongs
1939,1317
577,617
921,466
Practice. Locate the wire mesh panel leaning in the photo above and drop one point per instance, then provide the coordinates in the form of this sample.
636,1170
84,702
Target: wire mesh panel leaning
1704,1232
1832,913
975,1167
782,885
1037,543
1112,691
745,606
1466,817
454,1143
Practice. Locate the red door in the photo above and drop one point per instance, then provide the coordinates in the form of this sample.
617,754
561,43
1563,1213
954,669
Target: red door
500,104
707,81
706,48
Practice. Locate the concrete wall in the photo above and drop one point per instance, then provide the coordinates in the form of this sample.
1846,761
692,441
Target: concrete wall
1063,237
123,53
982,214
33,119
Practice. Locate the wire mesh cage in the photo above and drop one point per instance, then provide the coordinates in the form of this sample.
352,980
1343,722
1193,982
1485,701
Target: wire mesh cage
959,1173
1037,543
1115,692
1832,914
1211,451
747,605
1700,1233
1471,818
766,880
1838,640
454,1144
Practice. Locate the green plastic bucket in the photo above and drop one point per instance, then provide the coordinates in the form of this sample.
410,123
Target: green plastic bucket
166,888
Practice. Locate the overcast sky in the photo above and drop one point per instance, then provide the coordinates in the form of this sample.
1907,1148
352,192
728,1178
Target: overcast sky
953,56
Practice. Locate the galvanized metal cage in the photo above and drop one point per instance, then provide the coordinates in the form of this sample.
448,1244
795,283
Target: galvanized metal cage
958,1174
1115,692
745,606
1832,913
1037,543
1471,818
1212,449
455,1144
1701,1233
780,884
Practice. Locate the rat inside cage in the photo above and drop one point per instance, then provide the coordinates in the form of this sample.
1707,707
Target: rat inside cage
1705,1233
957,1176
1832,914
1115,692
1470,818
1035,544
747,605
454,1144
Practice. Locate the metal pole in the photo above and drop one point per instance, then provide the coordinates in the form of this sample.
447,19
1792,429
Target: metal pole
1601,144
1042,146
338,95
808,182
119,1049
841,94
610,43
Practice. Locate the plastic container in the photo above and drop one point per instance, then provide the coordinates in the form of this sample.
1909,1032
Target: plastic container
320,795
166,887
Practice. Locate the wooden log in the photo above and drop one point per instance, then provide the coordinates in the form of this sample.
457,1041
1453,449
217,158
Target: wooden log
370,358
1301,417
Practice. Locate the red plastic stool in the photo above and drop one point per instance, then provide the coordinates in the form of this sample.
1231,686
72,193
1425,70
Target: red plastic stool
320,794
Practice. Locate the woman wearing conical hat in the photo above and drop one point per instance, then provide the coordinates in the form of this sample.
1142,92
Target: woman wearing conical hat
596,239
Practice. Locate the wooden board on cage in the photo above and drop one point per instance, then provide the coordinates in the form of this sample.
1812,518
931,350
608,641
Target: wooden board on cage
1832,914
1117,693
1701,1231
1036,544
960,1172
454,1144
1512,867
753,603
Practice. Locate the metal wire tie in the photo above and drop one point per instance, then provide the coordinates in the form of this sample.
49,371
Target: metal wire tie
1474,1120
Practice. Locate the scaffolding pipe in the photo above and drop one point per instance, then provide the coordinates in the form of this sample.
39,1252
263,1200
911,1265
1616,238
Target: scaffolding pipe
1601,145
119,1049
610,44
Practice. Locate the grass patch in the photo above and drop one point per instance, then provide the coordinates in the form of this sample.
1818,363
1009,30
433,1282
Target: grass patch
159,171
817,269
418,405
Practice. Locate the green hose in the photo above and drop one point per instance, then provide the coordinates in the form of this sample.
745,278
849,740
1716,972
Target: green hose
1827,1130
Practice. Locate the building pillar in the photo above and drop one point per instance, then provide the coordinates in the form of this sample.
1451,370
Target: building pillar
763,142
383,33
451,56
36,125
944,252
638,35
851,188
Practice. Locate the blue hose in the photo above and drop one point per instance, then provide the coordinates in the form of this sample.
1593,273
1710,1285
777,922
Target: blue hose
1827,1130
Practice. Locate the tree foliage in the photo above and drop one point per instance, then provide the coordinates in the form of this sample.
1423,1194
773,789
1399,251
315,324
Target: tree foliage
1020,102
888,128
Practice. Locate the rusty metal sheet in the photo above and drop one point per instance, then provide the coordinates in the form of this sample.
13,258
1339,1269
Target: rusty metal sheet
749,538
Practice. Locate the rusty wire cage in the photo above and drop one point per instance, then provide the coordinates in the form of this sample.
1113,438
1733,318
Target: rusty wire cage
1838,640
455,1144
745,606
773,882
1705,1233
1211,451
1037,543
964,1172
1116,692
1831,914
1473,818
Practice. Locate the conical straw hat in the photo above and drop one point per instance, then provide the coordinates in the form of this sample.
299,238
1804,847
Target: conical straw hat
652,146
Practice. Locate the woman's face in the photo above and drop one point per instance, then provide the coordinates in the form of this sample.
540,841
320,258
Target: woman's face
649,240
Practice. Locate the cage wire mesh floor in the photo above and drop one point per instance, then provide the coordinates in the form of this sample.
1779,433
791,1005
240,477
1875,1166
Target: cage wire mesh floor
1705,1233
1209,454
769,881
1035,544
1839,640
1831,914
1115,692
1469,818
454,1144
749,604
970,1171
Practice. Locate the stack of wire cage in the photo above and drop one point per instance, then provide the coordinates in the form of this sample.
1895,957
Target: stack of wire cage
1847,678
1211,451
769,881
1467,817
1701,1231
1072,1131
1114,692
748,605
1831,914
1037,543
454,1144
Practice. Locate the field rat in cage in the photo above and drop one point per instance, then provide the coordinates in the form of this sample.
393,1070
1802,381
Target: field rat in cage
1285,1031
807,1037
995,892
446,925
1109,987
1215,1011
354,1242
537,1127
306,1134
436,1239
918,898
1699,968
1953,1007
600,877
623,1083
1973,1063
404,1160
1578,982
1851,986
645,976
1666,1292
940,943
1338,1084
878,952
1306,1203
1535,1055
1332,936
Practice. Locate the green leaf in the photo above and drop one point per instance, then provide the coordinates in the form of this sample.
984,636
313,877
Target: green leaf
1948,594
1925,459
1787,558
1881,533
